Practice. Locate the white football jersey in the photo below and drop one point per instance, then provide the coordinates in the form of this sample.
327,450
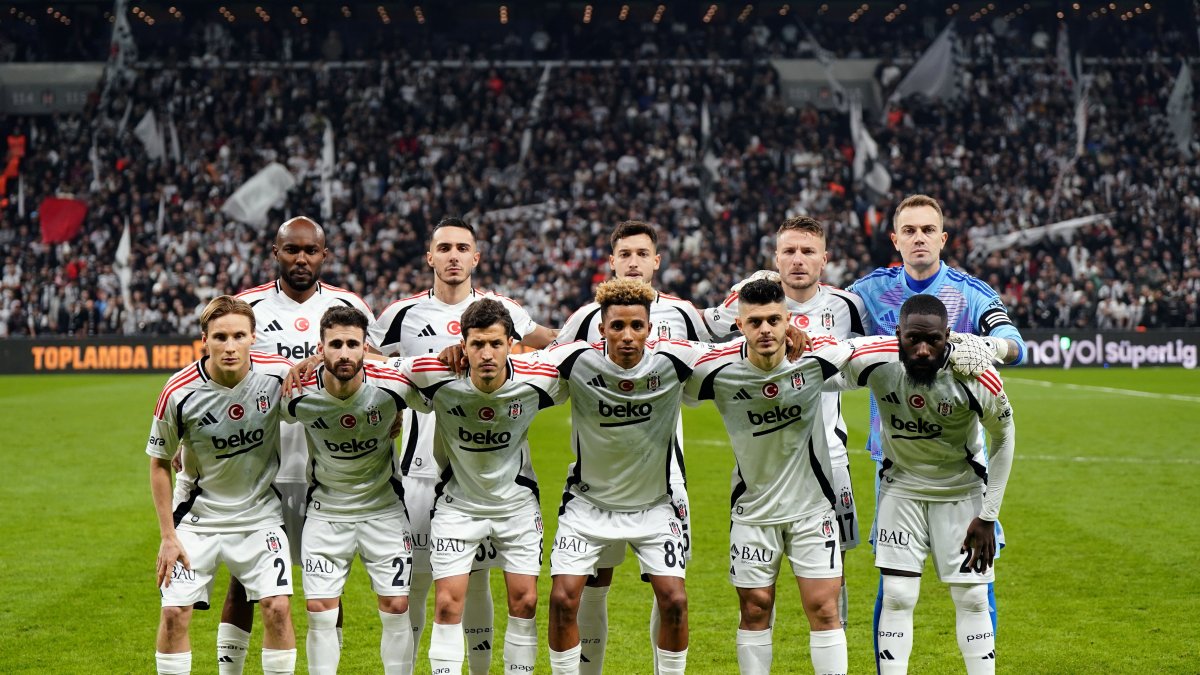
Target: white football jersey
671,318
482,439
231,437
352,471
623,421
775,424
831,311
293,330
423,324
932,446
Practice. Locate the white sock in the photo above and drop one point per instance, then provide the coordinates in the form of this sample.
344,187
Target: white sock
896,623
655,624
754,651
974,627
324,652
828,649
179,663
593,629
446,649
418,593
844,605
279,661
671,663
395,645
565,663
520,645
232,644
478,617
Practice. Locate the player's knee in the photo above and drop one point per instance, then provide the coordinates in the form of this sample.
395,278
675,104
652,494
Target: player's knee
275,610
756,605
900,593
175,620
564,604
970,598
393,604
823,612
672,606
522,602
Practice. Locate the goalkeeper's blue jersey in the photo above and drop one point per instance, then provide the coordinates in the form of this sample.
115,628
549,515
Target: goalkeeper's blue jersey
971,305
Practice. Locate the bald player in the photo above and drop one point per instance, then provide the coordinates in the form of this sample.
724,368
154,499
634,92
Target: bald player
288,314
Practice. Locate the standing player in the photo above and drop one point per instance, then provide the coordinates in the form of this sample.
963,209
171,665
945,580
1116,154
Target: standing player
356,504
625,394
783,494
288,312
224,409
972,306
940,491
800,257
427,323
634,256
488,493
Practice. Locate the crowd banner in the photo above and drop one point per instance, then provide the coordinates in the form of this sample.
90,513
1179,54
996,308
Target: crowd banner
1062,349
148,354
1067,348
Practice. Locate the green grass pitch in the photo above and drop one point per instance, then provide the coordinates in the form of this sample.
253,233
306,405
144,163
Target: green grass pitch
1101,516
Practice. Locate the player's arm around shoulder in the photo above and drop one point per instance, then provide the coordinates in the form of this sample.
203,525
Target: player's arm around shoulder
996,415
542,376
419,378
868,353
721,320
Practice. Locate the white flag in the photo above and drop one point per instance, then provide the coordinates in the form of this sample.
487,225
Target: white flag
935,74
176,152
122,51
94,158
251,202
327,161
122,264
1081,124
867,167
1179,110
150,135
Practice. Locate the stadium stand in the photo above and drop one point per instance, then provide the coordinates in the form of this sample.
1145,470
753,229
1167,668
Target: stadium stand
546,156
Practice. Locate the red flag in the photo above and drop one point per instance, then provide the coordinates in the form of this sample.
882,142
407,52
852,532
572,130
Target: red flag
61,219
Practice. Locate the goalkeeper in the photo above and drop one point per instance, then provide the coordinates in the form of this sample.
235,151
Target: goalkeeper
972,305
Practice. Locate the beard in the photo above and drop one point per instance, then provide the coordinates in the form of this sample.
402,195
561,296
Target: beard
920,373
336,370
300,284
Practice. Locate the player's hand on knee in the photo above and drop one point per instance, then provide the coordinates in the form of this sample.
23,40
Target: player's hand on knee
170,551
294,382
980,542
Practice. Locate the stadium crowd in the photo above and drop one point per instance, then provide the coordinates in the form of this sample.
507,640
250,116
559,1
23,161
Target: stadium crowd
545,160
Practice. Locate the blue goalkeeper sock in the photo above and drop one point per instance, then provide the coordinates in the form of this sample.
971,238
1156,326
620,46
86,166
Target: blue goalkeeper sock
875,619
992,605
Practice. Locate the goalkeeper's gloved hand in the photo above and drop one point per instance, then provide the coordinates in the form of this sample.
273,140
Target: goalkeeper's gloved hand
770,275
971,355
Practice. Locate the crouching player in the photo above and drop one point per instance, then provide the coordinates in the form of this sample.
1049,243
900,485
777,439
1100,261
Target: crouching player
224,408
355,504
939,490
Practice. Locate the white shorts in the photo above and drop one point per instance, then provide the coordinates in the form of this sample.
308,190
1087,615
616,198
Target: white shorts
907,530
383,544
612,556
418,501
512,543
261,560
584,532
847,511
295,505
810,544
